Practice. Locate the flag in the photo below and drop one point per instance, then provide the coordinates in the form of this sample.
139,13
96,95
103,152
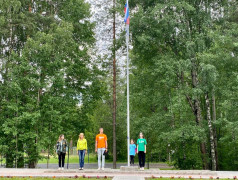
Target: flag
127,16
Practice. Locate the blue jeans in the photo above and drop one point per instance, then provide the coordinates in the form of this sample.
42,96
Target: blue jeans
101,158
81,158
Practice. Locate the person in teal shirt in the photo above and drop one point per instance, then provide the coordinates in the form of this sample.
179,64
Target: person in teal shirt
141,148
132,151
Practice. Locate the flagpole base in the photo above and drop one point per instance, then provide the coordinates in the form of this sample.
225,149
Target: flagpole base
129,168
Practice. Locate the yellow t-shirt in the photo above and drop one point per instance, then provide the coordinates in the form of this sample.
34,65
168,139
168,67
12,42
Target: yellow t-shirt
82,144
101,140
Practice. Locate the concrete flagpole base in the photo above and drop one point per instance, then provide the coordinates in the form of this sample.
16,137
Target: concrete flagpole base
129,168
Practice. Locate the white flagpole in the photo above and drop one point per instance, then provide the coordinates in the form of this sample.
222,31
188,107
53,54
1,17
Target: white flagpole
128,93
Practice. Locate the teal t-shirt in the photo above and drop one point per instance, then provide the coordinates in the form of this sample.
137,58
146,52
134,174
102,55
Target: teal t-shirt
132,149
141,144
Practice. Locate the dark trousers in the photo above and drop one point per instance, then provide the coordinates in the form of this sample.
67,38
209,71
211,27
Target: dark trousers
81,158
61,159
132,159
141,155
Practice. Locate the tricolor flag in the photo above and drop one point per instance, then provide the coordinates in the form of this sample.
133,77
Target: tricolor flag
127,16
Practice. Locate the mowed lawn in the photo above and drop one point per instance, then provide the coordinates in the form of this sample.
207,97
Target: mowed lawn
72,159
83,178
179,178
38,178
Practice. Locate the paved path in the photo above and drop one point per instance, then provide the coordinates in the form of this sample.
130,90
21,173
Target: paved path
112,173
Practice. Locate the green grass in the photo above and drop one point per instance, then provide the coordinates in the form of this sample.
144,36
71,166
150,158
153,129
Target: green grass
75,159
177,178
72,159
39,178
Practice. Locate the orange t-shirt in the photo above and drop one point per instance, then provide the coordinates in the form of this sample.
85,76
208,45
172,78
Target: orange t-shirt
101,140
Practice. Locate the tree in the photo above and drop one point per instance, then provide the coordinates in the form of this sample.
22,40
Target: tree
49,83
170,44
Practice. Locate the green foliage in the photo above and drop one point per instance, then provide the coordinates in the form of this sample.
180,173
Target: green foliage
44,91
181,51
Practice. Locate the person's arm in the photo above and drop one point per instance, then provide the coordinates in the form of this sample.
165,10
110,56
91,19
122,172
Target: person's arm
137,146
86,146
77,147
106,145
106,142
145,145
57,147
96,145
66,144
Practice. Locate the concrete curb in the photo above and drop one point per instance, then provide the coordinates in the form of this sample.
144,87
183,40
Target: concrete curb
116,172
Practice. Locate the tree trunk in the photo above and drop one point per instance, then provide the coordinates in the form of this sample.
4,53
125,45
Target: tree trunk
33,154
197,112
10,154
48,156
209,120
214,129
9,160
20,156
114,87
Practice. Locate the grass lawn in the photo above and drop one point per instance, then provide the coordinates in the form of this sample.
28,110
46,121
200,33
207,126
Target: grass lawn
31,178
179,179
72,159
75,159
83,178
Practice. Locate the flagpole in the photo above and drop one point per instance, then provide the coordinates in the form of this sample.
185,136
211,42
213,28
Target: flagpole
128,93
128,98
127,21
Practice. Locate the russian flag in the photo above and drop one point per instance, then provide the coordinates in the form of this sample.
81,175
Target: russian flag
127,16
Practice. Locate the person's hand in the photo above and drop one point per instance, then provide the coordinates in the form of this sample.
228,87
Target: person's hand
86,152
144,151
78,152
96,150
106,150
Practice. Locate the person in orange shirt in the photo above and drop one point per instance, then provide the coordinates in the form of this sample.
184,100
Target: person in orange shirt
100,147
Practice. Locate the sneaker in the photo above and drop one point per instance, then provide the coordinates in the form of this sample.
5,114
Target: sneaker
143,169
82,168
59,168
79,168
103,168
99,169
62,168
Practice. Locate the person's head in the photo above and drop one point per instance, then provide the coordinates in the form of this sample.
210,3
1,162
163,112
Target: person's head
132,141
141,136
61,137
101,130
81,136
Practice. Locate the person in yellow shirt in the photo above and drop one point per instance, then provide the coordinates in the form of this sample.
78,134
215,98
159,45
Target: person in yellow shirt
82,149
